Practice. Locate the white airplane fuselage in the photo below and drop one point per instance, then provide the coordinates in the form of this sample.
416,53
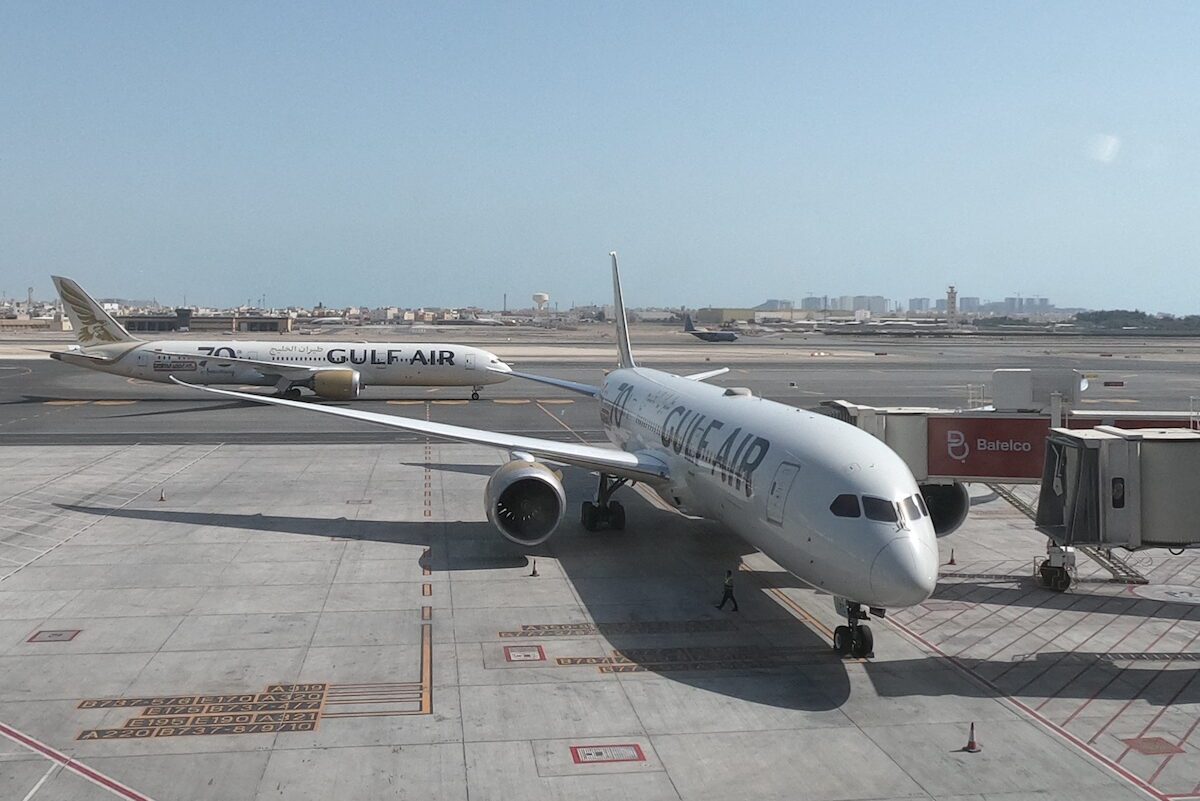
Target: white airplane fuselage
770,472
378,363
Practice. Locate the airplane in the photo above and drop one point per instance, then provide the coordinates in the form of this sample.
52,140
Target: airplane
828,502
331,370
706,334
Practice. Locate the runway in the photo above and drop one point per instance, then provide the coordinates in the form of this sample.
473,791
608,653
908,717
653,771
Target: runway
44,402
303,616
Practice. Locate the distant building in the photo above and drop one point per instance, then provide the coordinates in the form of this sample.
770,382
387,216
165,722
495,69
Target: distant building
717,316
918,304
185,320
814,303
968,305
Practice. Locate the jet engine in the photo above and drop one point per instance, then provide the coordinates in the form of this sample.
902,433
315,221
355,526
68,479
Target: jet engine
948,505
525,500
337,384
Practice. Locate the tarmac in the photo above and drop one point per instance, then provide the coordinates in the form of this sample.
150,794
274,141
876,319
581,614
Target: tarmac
202,600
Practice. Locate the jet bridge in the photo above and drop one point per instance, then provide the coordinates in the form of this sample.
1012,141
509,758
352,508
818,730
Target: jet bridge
1121,488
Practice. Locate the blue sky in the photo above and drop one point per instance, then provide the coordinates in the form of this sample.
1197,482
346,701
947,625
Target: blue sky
448,153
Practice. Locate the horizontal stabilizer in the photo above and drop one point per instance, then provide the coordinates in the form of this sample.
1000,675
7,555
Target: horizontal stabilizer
708,374
561,383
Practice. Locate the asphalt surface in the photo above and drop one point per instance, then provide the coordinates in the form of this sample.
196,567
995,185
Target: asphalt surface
43,401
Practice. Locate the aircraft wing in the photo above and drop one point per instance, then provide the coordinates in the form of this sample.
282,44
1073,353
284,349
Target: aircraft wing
633,466
266,368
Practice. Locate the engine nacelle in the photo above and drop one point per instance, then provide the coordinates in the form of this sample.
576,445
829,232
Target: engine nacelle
337,384
526,501
948,505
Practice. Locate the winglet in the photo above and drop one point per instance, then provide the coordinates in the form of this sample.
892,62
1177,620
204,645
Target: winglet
626,353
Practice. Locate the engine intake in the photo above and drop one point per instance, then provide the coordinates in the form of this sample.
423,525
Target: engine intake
337,384
526,501
948,505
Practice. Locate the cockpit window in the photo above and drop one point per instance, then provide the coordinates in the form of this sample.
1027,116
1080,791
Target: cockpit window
879,509
921,503
845,506
911,510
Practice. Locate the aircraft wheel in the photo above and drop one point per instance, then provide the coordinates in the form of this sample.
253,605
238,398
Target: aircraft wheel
474,396
1055,578
292,393
616,516
864,643
587,515
842,640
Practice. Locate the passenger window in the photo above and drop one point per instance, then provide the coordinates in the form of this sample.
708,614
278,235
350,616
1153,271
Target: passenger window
879,509
911,510
845,506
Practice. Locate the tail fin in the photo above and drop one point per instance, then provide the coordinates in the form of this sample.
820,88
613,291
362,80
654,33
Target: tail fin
688,325
622,324
92,324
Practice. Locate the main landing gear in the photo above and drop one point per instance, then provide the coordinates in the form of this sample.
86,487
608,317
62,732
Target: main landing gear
475,392
855,638
291,393
604,512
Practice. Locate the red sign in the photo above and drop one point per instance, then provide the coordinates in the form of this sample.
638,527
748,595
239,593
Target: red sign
987,447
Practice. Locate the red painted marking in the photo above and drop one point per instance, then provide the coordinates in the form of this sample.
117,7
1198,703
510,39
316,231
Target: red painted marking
1069,607
1182,741
1059,661
1119,673
94,776
1129,776
974,604
1162,711
580,758
1141,689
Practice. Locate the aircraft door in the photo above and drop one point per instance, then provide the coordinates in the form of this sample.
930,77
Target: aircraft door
469,359
780,487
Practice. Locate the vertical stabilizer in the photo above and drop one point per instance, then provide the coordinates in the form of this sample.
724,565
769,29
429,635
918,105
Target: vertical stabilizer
93,325
688,325
623,348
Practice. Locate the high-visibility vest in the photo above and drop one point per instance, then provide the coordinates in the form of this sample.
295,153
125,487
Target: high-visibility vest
729,582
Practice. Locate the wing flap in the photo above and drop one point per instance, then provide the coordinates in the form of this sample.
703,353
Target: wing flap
634,466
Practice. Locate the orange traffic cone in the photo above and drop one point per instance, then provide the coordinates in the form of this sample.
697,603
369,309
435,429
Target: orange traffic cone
972,747
162,495
952,562
534,573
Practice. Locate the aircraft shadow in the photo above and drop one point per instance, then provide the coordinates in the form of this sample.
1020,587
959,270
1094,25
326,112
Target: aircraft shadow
1032,594
650,589
1104,679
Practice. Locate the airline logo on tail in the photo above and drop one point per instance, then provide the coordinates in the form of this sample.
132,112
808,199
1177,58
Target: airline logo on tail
93,325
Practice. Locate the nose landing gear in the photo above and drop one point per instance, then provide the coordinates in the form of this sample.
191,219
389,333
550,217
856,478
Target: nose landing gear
854,639
604,512
475,392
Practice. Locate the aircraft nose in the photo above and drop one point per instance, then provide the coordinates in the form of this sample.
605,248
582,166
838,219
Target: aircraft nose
904,572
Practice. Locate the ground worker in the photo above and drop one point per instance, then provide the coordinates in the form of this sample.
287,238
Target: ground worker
728,595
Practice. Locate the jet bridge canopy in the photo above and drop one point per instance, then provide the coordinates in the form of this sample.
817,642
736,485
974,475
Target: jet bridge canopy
1115,487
